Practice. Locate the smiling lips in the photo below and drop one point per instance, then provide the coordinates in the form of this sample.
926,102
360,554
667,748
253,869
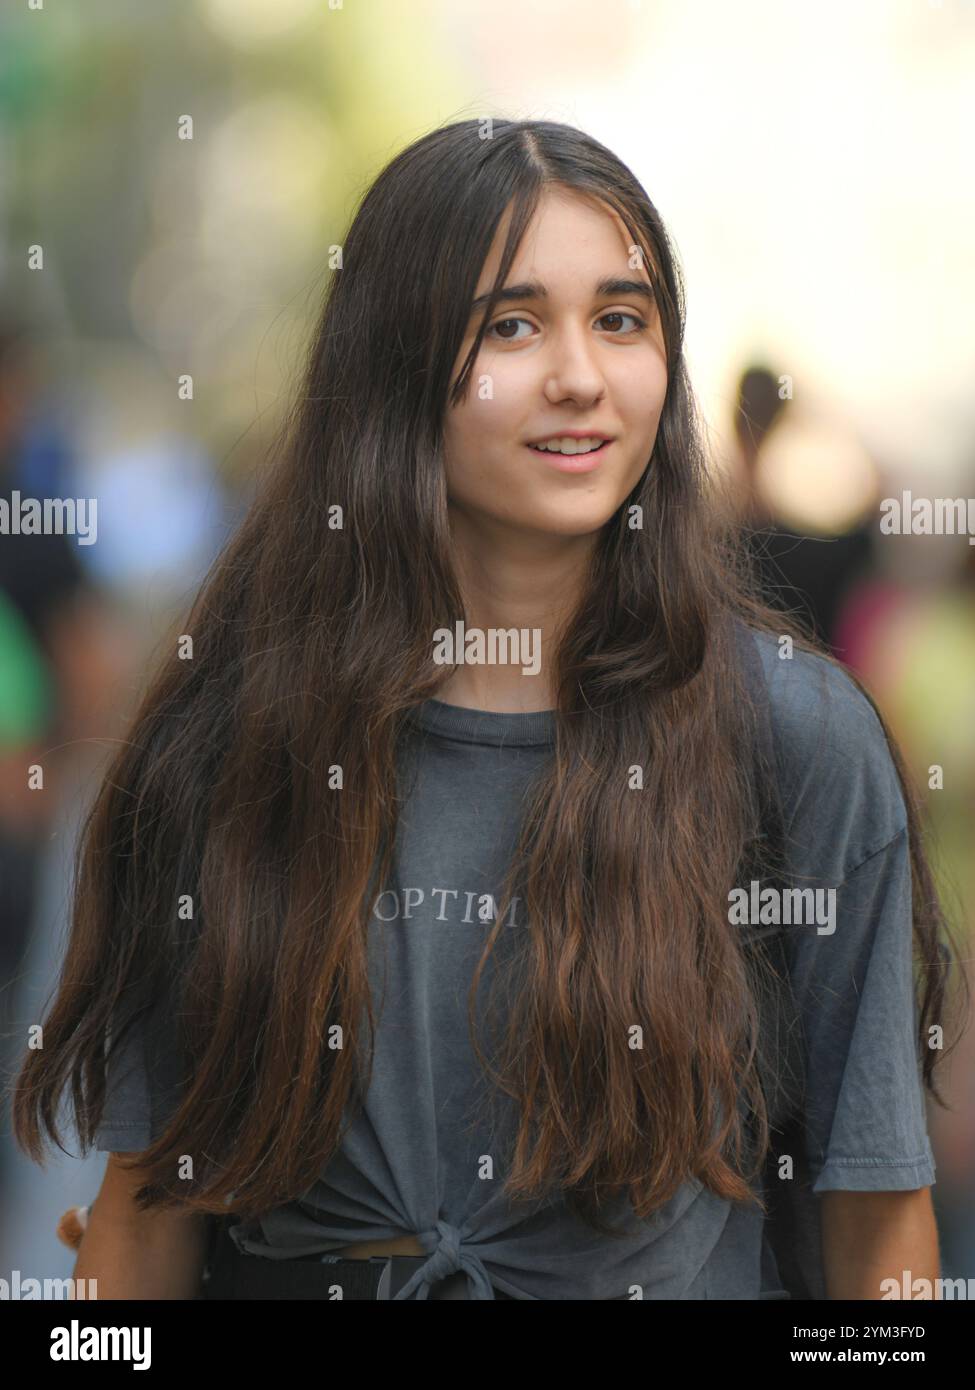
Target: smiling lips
570,443
573,454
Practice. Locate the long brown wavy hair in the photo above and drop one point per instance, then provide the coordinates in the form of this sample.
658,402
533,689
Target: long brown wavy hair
313,640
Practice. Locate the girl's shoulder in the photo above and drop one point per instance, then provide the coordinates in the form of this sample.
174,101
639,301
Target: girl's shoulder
810,691
838,787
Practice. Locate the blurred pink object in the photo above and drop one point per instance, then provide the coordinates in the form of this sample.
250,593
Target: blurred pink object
866,612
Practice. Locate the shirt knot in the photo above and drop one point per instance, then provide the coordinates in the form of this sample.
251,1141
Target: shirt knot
445,1260
449,1257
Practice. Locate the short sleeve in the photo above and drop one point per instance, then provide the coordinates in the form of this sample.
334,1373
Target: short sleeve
142,1086
125,1123
852,976
863,1119
857,1117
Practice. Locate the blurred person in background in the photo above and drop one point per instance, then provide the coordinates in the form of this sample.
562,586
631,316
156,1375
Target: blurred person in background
76,625
59,662
802,574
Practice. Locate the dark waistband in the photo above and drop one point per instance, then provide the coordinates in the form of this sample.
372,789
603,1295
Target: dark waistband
232,1274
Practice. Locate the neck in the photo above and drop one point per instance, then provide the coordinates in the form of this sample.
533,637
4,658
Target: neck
522,580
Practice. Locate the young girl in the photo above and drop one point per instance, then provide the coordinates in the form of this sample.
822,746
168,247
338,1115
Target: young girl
438,910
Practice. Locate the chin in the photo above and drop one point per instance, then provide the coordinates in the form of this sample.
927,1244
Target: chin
580,521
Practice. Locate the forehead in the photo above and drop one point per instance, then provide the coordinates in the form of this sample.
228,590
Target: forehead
567,230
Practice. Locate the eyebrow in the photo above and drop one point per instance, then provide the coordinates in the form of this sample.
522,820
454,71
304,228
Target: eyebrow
534,289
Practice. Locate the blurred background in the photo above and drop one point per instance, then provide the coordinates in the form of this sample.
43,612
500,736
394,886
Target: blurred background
172,179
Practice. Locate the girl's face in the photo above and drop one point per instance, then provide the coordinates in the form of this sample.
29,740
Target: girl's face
565,353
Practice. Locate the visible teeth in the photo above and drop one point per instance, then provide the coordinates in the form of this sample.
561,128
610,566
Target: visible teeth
570,446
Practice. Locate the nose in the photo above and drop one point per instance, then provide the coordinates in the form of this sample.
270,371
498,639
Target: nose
572,371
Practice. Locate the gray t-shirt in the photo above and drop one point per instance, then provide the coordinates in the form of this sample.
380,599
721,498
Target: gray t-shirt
422,1155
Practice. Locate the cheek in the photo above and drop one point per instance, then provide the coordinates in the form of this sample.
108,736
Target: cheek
478,448
641,406
490,427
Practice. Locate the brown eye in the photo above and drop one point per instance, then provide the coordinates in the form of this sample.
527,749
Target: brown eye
501,323
618,314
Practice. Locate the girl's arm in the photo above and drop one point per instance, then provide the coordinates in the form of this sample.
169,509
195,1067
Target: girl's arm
870,1236
134,1254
